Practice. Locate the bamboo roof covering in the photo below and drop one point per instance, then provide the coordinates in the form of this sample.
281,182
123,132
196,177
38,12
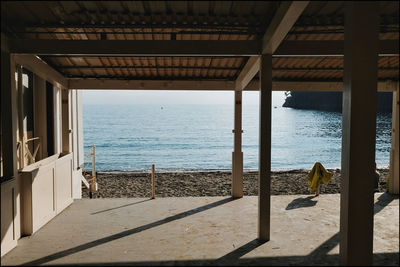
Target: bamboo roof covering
187,20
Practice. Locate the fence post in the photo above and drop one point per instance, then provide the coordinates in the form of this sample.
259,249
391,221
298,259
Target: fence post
153,186
93,184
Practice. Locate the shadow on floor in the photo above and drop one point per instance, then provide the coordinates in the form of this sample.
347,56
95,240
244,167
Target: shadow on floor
136,230
235,255
319,256
384,200
321,251
127,205
302,202
386,259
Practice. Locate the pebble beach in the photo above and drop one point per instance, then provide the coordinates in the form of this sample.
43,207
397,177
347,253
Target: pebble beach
213,183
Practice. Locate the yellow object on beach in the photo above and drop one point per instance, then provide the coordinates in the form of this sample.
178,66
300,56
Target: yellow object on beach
316,175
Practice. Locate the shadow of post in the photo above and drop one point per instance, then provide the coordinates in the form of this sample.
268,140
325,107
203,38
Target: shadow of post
235,255
319,256
302,202
136,230
320,252
123,206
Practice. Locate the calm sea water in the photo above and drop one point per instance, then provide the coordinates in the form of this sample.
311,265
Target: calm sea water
199,137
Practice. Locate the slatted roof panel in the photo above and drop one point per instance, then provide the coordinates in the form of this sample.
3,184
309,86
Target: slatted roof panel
138,19
324,20
150,68
325,68
187,20
209,68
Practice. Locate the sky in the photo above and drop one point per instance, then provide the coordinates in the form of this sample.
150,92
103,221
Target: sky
173,97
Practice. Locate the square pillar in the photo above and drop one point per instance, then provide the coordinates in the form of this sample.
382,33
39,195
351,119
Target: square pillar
10,189
8,116
358,132
57,119
393,183
237,154
264,169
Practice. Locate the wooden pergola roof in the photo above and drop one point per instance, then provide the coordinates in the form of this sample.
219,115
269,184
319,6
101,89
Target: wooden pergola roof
218,45
319,30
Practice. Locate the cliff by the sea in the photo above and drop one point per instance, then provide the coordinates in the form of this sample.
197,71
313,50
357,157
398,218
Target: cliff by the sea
330,101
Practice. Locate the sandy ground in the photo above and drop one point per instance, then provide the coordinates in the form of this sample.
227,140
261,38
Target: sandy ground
196,184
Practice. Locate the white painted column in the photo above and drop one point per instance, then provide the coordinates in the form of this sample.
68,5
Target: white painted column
56,120
70,119
74,127
358,132
79,106
264,177
394,151
237,154
57,95
77,141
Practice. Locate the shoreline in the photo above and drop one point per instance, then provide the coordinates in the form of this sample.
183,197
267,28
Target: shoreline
385,168
210,183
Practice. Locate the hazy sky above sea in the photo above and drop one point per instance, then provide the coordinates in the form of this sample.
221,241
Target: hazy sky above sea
173,97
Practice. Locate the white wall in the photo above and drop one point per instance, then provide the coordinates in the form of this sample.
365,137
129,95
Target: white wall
77,141
80,127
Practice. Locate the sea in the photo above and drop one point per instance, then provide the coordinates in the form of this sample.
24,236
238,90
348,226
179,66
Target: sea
198,137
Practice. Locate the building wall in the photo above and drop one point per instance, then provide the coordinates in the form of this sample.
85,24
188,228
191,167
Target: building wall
12,189
77,141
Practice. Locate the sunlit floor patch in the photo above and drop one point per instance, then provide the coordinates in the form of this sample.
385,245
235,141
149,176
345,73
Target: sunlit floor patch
202,230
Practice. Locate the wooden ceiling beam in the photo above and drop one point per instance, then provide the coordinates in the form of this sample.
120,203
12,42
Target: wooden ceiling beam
329,48
284,19
248,72
311,86
42,69
178,48
306,86
109,84
4,43
135,47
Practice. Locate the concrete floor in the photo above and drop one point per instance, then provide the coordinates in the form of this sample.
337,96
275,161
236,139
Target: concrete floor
202,231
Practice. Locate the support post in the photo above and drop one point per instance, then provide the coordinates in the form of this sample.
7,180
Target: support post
237,154
153,183
10,187
8,116
393,183
93,184
93,162
358,132
264,176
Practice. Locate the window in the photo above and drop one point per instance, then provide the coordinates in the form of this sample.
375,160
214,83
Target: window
50,118
28,118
